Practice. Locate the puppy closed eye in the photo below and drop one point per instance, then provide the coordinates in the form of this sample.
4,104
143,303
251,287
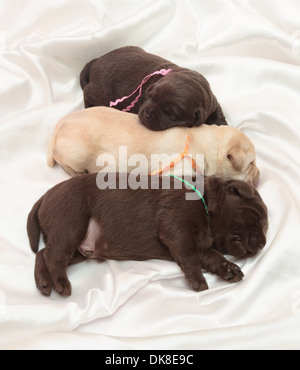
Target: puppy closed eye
251,164
170,113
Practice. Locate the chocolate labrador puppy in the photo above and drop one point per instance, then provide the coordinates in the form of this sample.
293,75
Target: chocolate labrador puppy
168,95
79,221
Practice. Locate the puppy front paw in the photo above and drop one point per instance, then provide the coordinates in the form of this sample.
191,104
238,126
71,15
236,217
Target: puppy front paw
200,286
198,283
230,272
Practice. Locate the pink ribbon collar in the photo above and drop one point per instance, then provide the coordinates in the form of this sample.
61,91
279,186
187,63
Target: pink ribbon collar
162,72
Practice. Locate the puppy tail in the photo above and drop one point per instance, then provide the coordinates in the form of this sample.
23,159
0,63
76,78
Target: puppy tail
85,74
33,226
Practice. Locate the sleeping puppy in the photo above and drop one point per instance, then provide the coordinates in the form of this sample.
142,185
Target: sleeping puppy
81,137
78,221
180,98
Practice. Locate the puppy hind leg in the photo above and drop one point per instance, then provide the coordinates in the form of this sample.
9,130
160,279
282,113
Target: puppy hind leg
186,253
89,100
192,269
41,275
57,264
85,74
62,243
74,166
93,96
71,156
77,258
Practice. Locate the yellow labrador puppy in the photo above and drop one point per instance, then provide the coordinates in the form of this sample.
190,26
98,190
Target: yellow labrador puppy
83,142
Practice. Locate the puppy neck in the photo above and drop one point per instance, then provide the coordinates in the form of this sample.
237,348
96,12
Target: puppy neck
195,190
162,72
185,154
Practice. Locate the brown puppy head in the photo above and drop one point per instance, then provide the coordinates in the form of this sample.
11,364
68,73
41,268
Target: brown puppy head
182,98
239,218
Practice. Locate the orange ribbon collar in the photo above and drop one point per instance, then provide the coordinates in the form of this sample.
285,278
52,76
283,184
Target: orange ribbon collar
184,154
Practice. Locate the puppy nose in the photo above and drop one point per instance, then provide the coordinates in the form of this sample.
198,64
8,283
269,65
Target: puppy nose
256,177
256,243
253,241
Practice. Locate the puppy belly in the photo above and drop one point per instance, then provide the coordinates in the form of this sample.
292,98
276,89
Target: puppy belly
88,246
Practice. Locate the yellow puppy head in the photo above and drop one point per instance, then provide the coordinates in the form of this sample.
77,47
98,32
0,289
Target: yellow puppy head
238,159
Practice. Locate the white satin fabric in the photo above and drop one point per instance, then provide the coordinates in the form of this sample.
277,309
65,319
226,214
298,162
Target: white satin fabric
250,53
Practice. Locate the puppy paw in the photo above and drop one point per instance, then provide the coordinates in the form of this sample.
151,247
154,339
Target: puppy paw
230,272
201,286
198,284
63,287
43,283
41,275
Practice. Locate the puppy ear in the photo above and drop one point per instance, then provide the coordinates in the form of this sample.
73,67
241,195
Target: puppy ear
237,157
214,192
242,189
